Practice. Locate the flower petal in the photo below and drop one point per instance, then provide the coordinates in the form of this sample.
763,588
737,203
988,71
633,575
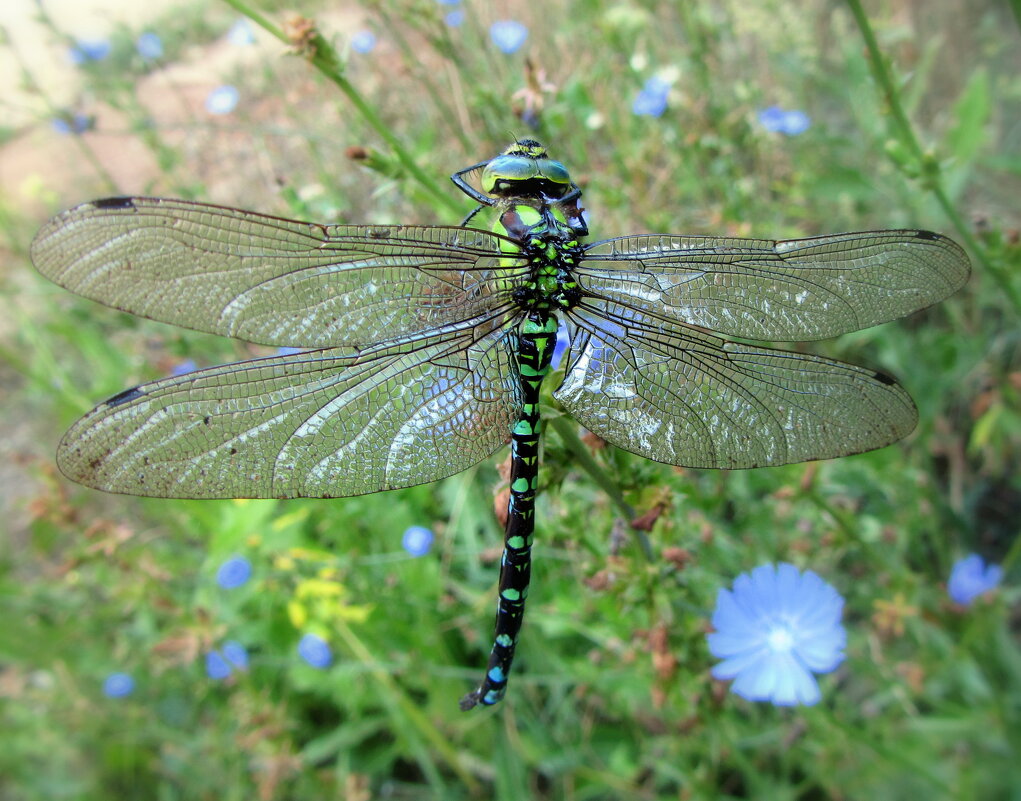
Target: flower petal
823,653
730,616
743,663
724,644
775,628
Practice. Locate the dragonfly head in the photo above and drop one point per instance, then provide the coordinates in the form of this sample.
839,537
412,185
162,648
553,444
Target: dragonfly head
525,170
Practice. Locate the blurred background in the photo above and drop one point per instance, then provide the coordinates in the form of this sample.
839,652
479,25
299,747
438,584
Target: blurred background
317,649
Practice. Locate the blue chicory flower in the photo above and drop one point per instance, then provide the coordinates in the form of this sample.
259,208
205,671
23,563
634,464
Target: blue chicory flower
235,653
118,685
508,35
363,42
316,651
971,577
76,123
234,572
651,101
454,19
775,629
149,46
241,33
790,123
222,100
563,342
216,666
648,105
88,50
185,367
417,540
449,2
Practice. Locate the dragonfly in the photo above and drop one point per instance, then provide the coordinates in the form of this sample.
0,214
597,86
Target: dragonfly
425,347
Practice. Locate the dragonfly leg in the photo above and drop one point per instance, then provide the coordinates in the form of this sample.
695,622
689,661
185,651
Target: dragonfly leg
468,189
537,340
468,219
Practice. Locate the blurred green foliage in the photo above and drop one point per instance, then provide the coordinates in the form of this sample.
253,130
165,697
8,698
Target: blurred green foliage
612,697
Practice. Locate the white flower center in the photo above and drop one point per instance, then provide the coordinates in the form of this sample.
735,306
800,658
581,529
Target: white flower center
780,639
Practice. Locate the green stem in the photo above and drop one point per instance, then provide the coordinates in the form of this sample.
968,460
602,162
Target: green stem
927,163
567,433
324,57
569,436
1015,6
404,709
423,76
840,519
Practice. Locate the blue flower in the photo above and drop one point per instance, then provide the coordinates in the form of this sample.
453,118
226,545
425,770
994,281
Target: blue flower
88,50
316,651
234,572
563,342
235,653
656,86
240,33
648,105
971,577
185,367
118,685
363,42
216,666
149,46
454,19
774,630
417,540
220,664
76,123
448,2
789,123
651,101
508,35
222,100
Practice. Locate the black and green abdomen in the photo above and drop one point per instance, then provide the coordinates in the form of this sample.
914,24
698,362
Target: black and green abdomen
544,237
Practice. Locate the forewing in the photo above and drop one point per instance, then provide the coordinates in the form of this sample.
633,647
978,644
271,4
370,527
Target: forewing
270,280
793,290
320,424
682,396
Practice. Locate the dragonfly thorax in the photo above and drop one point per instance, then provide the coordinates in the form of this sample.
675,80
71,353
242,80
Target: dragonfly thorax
546,240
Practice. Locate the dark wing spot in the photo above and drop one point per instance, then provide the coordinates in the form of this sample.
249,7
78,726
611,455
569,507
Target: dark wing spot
883,378
125,396
927,235
114,203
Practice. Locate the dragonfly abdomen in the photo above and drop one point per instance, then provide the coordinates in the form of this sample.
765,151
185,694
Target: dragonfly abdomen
536,341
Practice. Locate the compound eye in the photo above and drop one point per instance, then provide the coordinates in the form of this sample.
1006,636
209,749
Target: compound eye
554,171
508,169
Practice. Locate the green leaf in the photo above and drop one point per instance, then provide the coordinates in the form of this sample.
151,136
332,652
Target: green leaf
972,112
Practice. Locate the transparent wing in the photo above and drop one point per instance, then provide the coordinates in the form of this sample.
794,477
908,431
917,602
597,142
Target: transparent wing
321,424
794,290
682,396
270,280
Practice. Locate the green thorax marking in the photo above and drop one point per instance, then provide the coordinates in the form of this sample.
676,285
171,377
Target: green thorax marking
544,236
